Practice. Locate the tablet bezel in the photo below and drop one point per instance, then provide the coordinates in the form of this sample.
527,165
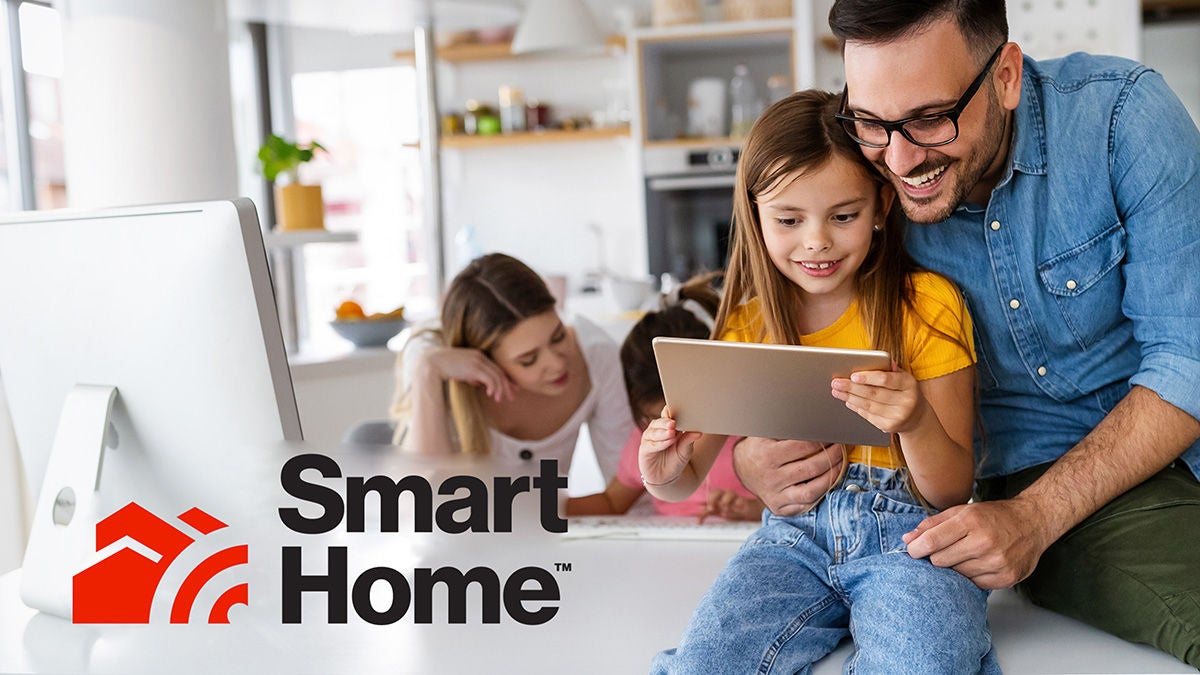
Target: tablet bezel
764,390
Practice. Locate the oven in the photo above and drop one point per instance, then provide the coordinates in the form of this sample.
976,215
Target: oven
689,207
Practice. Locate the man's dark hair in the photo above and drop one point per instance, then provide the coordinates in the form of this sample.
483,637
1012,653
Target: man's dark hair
983,23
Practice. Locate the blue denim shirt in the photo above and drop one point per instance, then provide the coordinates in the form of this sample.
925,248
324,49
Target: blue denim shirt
1082,273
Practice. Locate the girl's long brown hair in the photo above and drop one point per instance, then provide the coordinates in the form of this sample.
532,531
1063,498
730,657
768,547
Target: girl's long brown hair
799,134
485,301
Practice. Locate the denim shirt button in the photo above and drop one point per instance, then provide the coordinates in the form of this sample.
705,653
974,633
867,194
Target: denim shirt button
1041,371
1071,284
1014,303
854,487
995,225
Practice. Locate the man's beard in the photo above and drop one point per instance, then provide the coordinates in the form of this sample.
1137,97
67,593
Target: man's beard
971,171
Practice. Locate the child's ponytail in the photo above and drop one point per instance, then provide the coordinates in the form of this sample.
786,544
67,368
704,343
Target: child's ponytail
688,311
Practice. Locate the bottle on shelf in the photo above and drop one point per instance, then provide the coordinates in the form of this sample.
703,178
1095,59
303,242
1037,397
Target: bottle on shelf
743,108
480,119
512,110
537,115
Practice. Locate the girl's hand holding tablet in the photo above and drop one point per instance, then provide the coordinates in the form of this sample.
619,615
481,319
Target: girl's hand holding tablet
891,401
664,453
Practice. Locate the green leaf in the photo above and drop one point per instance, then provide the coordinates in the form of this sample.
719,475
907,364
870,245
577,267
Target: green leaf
278,155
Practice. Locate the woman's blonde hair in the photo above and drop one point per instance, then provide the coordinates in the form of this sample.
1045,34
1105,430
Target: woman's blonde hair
485,301
799,134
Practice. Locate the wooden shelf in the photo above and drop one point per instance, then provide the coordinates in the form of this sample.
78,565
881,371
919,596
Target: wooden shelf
495,51
695,143
714,29
535,137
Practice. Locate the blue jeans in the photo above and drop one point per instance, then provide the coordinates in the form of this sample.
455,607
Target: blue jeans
801,584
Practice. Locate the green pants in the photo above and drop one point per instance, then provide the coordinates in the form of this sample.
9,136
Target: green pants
1132,568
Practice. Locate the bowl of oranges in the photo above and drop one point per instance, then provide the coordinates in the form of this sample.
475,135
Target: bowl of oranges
367,330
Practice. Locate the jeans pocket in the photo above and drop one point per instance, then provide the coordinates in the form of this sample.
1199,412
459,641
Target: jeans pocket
895,518
779,531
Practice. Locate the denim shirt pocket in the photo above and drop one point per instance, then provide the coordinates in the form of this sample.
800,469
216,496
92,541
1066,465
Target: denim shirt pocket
1084,280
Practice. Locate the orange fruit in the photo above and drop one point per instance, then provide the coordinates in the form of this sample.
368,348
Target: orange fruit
350,311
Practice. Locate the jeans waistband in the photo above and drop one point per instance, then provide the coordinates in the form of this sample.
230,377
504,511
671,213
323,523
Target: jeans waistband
875,478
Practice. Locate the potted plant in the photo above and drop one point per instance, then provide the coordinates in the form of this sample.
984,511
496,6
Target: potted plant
298,207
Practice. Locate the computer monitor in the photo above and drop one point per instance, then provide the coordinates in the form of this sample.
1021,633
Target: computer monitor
142,359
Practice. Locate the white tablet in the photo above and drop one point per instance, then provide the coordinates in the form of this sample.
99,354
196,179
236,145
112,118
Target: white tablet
767,391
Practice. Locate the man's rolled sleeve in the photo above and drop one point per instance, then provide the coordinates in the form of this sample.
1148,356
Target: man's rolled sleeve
1175,378
1155,154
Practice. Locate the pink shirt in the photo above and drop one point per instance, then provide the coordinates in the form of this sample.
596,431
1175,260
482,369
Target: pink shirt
720,476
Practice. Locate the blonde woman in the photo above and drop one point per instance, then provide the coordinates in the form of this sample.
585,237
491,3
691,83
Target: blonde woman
504,376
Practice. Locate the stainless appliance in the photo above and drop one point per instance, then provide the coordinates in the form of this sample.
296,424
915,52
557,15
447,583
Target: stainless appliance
689,206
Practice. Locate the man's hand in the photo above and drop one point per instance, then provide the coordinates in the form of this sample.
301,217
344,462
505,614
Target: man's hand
789,476
994,544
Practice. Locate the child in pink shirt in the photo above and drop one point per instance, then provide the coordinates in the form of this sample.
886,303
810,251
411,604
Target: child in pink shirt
686,312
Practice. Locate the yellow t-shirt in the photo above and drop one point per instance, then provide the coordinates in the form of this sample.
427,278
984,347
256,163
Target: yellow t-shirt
931,354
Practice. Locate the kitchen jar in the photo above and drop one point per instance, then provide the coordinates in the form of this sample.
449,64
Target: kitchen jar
512,110
537,116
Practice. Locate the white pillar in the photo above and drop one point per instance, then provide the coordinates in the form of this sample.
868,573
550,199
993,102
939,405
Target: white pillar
146,104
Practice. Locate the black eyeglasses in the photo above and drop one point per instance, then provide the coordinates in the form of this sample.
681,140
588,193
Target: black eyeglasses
928,131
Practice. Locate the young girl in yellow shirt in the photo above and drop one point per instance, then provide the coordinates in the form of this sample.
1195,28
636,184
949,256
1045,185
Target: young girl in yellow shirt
818,259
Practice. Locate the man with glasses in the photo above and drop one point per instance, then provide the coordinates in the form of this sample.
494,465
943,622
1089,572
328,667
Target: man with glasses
1064,199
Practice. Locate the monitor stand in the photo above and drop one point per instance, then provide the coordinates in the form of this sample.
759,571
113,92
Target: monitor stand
63,533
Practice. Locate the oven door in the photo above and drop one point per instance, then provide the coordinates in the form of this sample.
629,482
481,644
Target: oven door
688,219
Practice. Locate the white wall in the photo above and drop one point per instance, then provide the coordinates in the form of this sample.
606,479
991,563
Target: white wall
536,201
1173,49
333,396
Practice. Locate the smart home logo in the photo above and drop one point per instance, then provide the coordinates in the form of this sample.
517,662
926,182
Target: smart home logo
121,588
149,555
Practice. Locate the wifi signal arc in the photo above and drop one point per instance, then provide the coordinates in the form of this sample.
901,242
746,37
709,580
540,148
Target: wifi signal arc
216,563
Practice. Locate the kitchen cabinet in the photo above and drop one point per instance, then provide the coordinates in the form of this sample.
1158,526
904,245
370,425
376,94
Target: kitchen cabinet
669,60
687,179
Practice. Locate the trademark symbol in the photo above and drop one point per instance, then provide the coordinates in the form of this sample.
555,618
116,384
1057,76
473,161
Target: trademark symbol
562,567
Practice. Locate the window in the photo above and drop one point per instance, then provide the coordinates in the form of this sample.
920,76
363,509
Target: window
371,182
42,59
32,169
